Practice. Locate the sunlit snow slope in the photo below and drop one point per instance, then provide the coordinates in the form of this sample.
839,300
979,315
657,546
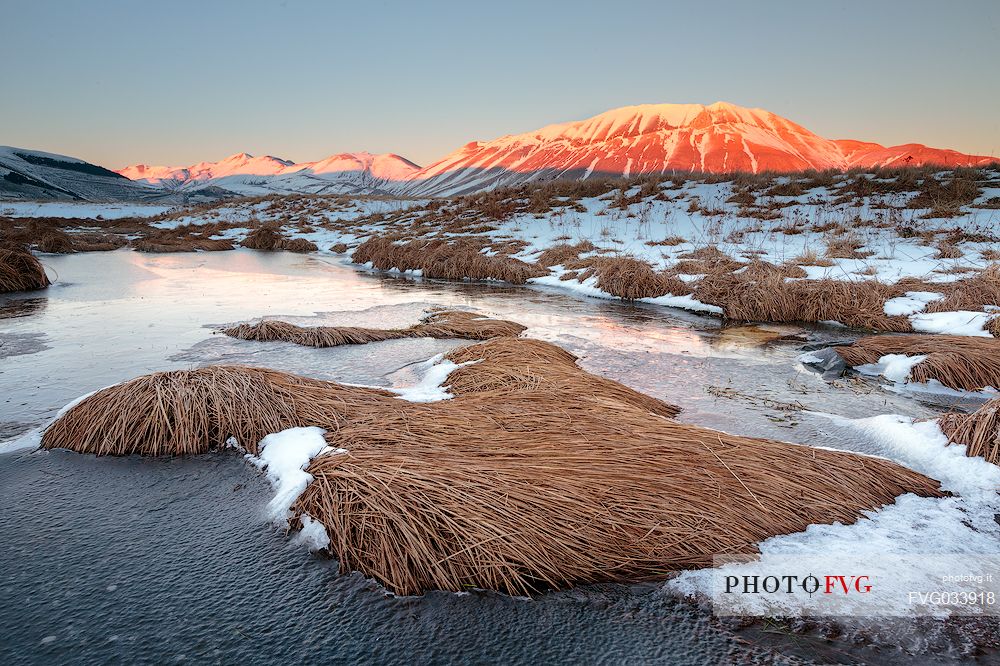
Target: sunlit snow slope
653,138
243,174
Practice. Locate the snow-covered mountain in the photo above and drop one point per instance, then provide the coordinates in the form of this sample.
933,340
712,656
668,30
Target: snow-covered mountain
654,138
243,174
632,140
32,174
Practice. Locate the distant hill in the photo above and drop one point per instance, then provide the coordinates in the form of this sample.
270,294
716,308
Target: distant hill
34,175
244,174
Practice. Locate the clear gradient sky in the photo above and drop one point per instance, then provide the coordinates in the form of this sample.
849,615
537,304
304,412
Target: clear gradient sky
117,82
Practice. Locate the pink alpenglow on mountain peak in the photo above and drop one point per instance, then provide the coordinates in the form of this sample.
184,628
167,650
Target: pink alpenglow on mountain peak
656,138
628,141
245,174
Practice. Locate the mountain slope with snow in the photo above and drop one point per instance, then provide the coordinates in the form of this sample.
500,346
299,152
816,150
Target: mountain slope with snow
655,138
35,175
243,174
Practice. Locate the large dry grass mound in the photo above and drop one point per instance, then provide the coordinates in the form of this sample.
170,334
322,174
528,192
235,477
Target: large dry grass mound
979,432
446,324
536,475
20,270
539,491
452,259
958,362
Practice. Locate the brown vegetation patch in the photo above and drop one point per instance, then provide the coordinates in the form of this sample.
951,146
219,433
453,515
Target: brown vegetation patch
946,199
767,296
269,238
563,253
446,324
979,432
20,270
846,247
452,259
958,362
547,481
629,278
971,293
184,238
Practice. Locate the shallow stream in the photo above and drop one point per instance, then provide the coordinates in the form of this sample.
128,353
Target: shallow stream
163,560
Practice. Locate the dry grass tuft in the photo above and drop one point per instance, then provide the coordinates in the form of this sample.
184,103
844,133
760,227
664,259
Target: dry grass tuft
299,245
768,297
563,253
979,432
54,241
453,259
971,293
447,324
267,237
962,363
534,492
536,475
20,270
507,365
194,411
628,278
845,247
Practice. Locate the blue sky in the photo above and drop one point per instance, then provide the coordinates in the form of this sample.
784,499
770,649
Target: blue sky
174,83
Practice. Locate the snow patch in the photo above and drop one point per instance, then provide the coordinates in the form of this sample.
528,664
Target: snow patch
912,303
960,322
284,456
894,367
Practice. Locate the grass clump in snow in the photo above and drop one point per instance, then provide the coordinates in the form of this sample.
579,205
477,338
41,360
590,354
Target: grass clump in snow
268,237
452,259
959,362
766,296
979,432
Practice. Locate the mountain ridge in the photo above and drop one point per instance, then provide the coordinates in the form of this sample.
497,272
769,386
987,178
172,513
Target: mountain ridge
621,142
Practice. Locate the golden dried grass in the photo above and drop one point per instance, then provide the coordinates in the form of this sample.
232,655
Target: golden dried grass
766,296
268,238
508,365
513,485
20,270
539,491
979,432
958,362
628,278
563,253
446,324
452,259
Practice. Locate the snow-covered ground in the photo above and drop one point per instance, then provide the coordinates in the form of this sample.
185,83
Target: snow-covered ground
903,548
69,209
823,232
